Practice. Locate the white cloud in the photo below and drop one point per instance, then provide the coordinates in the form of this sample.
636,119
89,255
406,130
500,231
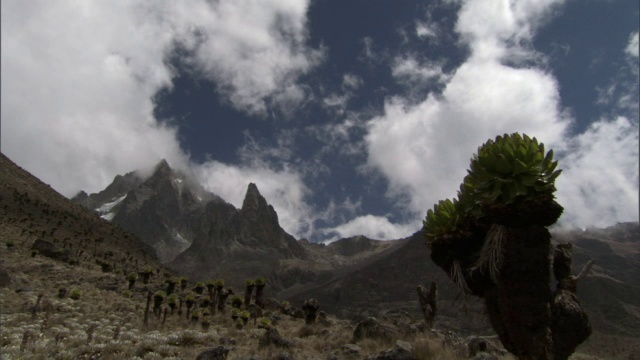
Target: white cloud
78,77
424,149
502,29
252,50
408,70
78,80
599,182
351,82
632,46
337,102
427,30
374,227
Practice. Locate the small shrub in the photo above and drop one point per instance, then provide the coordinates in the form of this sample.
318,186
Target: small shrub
184,281
206,322
235,313
127,293
245,315
76,294
199,288
265,323
62,293
236,301
172,301
131,278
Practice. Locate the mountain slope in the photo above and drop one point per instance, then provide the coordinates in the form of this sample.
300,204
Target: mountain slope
610,295
31,212
158,209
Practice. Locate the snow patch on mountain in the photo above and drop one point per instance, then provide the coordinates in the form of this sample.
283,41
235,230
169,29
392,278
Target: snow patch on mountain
106,208
181,239
108,216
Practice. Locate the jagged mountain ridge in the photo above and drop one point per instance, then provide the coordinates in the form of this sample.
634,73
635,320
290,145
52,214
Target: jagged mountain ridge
158,209
364,275
196,232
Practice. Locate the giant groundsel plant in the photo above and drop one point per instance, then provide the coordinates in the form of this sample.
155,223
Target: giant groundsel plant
493,242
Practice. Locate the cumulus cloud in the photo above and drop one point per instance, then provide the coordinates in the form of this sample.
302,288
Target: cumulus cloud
424,149
374,227
599,183
78,80
253,52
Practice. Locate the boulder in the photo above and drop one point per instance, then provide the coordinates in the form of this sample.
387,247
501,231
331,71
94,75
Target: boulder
402,351
485,356
273,337
218,353
371,328
49,249
479,344
452,341
352,350
5,278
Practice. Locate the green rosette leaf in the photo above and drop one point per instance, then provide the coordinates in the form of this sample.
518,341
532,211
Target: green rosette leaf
510,169
444,222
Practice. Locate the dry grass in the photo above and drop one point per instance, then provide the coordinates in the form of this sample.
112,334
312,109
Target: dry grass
107,324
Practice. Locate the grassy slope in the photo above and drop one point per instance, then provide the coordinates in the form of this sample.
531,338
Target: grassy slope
103,321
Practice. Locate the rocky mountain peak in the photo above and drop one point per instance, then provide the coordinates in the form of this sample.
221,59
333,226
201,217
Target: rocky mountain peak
163,167
255,207
162,171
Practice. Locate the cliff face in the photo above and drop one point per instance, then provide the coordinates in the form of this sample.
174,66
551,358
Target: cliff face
238,244
198,234
158,209
193,231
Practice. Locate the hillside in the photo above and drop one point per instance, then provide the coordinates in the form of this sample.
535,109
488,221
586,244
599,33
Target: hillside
352,278
32,211
75,301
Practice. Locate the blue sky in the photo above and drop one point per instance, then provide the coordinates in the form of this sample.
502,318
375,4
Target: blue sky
352,117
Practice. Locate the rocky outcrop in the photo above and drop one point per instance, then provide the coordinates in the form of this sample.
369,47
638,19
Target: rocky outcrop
217,353
402,351
239,244
371,328
158,208
49,249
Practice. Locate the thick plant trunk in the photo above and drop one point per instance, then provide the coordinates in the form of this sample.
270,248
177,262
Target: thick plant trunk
519,307
247,295
428,303
260,295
